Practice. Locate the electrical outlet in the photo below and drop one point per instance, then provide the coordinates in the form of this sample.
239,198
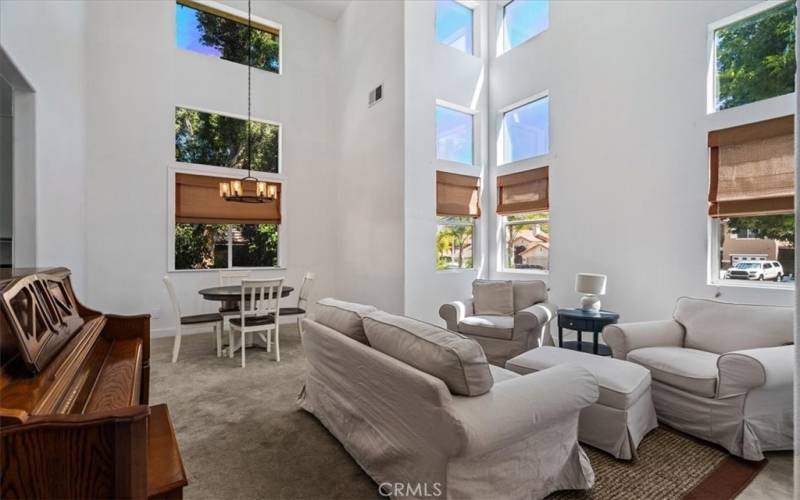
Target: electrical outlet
156,313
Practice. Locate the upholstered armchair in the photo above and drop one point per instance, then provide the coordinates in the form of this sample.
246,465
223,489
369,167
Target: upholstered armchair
506,318
721,372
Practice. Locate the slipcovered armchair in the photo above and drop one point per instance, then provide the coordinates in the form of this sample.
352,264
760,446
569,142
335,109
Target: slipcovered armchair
506,318
721,372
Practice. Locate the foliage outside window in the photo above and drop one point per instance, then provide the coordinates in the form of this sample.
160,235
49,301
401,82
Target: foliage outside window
219,140
755,57
219,36
748,244
454,135
523,20
454,25
454,248
222,246
527,241
526,131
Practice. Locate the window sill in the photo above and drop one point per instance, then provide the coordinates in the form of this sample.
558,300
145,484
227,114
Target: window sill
761,285
456,271
541,272
227,269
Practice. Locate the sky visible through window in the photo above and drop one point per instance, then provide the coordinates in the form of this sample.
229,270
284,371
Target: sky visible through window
453,135
188,32
526,131
454,25
524,19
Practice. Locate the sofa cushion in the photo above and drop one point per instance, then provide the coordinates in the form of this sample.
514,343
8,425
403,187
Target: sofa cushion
687,369
621,383
501,374
492,297
344,317
528,293
495,327
722,327
455,359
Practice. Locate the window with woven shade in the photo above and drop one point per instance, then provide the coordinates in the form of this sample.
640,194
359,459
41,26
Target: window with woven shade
457,195
523,192
523,201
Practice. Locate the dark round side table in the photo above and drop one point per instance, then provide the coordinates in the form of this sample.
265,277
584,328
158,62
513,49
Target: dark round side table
585,321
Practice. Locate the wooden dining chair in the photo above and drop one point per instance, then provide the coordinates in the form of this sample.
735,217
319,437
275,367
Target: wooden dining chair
259,312
181,322
303,295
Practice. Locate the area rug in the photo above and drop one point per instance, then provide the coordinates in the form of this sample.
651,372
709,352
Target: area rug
242,436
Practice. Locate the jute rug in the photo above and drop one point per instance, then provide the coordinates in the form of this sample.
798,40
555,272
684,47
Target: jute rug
242,436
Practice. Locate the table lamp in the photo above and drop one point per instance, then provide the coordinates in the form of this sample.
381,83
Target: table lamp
591,285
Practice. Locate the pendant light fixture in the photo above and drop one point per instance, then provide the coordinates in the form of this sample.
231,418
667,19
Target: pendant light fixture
234,190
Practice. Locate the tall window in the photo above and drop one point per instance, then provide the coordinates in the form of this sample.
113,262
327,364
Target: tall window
219,140
454,243
527,241
457,208
754,57
523,20
526,131
218,33
220,246
454,135
454,25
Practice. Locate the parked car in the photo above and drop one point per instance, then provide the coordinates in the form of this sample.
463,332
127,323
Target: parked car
756,270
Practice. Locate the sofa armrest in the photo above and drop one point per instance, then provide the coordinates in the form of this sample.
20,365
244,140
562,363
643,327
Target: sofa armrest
518,407
531,323
455,311
742,371
625,337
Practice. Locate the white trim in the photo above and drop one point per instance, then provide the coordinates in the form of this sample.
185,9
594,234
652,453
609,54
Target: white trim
500,160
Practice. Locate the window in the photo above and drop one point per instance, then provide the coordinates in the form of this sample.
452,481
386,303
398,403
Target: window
219,140
523,20
754,57
454,25
454,243
527,241
526,131
217,33
220,246
454,135
769,237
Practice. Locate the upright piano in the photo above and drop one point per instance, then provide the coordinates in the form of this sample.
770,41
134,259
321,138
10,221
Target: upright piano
74,414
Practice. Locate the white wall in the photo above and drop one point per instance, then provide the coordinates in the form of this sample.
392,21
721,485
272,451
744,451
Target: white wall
628,154
435,71
6,180
46,42
368,220
136,78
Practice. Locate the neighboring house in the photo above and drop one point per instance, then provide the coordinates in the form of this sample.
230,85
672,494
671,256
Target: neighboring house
532,248
736,249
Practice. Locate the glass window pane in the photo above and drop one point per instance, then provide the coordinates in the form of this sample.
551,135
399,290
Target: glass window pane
201,246
755,57
526,131
453,135
219,140
528,244
220,37
746,242
254,245
454,243
454,25
524,19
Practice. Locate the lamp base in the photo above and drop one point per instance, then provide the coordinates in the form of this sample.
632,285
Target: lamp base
590,303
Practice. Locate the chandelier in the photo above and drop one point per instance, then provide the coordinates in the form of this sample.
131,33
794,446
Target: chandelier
235,190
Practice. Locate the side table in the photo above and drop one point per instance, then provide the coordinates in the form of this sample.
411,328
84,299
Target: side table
585,321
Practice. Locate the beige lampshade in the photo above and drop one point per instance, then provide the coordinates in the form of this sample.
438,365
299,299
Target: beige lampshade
594,284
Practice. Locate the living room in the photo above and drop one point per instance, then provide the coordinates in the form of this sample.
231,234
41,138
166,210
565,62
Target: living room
628,161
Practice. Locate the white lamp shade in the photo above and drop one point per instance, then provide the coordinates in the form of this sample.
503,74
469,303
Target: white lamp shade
594,284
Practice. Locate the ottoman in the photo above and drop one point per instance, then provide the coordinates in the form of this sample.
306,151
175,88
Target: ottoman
623,413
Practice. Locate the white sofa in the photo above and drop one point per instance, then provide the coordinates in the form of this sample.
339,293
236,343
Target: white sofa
404,425
721,372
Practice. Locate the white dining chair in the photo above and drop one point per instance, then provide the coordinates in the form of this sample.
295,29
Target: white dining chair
303,296
227,278
259,312
181,322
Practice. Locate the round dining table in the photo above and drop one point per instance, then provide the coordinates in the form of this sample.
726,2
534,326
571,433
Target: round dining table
230,295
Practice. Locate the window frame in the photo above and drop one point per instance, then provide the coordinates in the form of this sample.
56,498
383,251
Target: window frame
501,128
232,14
473,6
712,82
476,144
504,244
501,47
474,224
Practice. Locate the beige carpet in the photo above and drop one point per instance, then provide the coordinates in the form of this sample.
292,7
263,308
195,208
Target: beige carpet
242,435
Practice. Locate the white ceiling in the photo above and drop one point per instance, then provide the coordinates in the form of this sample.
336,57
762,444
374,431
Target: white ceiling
329,9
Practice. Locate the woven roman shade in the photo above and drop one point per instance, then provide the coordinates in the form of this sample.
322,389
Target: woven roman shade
523,192
197,201
457,195
752,169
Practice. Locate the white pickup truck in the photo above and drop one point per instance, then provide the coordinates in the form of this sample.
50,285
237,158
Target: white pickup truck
756,270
